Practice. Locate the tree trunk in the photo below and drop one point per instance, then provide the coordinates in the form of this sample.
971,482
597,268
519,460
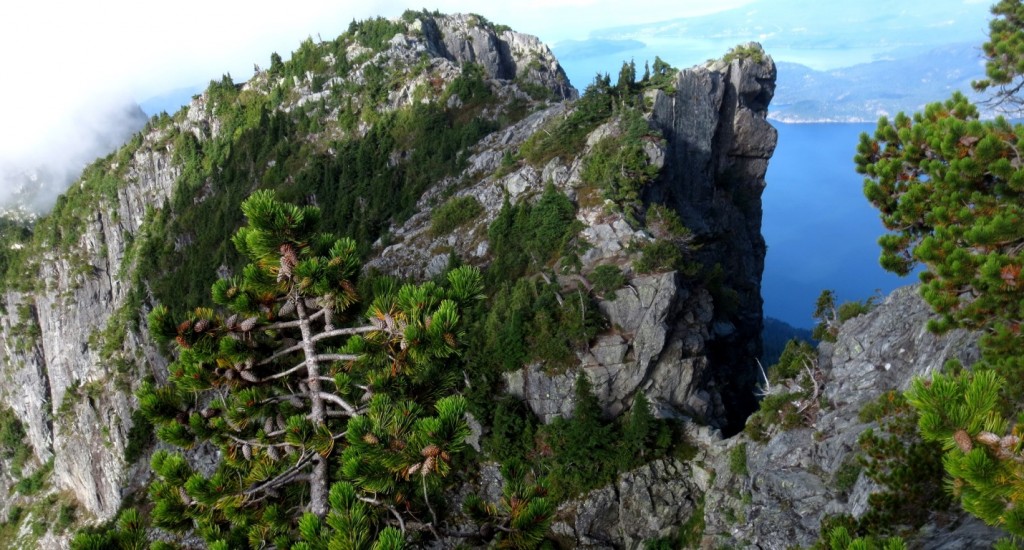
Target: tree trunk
318,481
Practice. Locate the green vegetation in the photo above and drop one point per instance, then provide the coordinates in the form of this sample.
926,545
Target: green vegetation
280,403
658,256
830,317
529,237
907,467
376,452
565,137
376,32
738,460
13,441
140,437
847,475
752,52
357,183
618,165
606,279
453,214
573,455
26,524
840,539
785,411
13,238
36,481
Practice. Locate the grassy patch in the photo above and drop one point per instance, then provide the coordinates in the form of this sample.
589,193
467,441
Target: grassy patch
453,214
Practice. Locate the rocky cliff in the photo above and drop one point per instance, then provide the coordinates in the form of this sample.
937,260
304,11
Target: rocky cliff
75,346
690,352
777,491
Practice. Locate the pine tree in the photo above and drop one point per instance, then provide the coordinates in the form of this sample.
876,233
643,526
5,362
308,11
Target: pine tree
982,455
950,189
637,428
521,518
1004,67
295,396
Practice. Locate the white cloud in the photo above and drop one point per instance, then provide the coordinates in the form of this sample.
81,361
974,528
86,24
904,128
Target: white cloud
63,56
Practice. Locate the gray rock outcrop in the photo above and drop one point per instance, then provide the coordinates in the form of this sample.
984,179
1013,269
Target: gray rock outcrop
791,483
647,503
691,351
719,143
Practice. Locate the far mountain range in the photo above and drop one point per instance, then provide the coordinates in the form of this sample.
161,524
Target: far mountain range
858,93
837,62
864,92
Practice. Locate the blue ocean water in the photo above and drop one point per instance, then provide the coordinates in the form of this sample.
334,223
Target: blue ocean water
821,231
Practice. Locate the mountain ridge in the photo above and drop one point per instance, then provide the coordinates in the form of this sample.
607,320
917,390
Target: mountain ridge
619,232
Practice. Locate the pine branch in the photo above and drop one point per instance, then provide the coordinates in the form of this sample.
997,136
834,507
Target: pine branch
286,476
433,515
337,401
254,443
336,357
292,324
344,331
299,347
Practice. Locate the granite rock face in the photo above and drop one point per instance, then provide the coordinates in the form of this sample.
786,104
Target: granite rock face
719,146
690,351
791,483
647,503
788,484
657,347
74,398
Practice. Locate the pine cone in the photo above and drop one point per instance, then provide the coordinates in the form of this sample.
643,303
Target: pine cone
963,440
288,255
208,413
272,454
988,438
371,439
284,273
247,451
201,325
428,465
248,376
232,321
248,324
430,451
184,326
287,309
295,402
268,425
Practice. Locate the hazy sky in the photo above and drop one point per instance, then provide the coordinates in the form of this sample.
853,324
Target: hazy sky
61,55
63,58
